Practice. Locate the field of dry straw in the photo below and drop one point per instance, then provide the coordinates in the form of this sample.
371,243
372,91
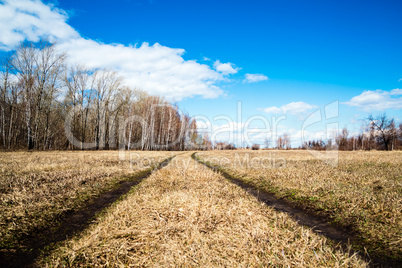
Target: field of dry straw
36,188
187,215
363,193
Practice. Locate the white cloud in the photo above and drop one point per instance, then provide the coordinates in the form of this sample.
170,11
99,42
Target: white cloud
233,126
396,91
157,69
253,78
400,79
378,100
273,110
154,68
293,108
301,136
25,19
225,68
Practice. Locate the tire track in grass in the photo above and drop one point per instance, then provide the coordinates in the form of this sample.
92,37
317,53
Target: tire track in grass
186,215
72,223
317,224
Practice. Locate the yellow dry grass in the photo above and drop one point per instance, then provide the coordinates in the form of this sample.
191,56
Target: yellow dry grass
363,192
37,187
187,215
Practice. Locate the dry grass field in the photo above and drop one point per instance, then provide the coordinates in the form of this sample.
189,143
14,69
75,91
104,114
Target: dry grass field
363,193
36,188
188,216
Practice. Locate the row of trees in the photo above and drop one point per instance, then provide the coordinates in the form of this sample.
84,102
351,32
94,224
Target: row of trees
47,103
379,133
282,142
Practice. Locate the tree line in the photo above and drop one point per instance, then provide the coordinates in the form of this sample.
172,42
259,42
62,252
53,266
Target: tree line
378,133
47,103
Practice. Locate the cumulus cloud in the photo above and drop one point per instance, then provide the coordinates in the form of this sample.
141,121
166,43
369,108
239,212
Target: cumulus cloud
378,100
225,68
253,78
154,68
273,110
157,69
293,108
25,19
396,92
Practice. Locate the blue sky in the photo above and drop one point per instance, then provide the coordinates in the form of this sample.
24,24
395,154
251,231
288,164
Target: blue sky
298,55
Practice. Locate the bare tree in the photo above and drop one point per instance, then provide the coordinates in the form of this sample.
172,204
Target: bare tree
38,92
384,129
279,143
4,98
283,141
286,141
38,67
50,66
342,139
24,66
267,142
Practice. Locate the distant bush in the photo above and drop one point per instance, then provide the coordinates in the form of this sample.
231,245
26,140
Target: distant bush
255,147
230,147
224,146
